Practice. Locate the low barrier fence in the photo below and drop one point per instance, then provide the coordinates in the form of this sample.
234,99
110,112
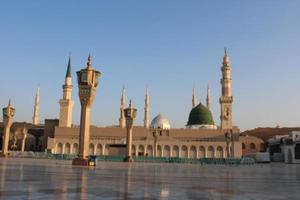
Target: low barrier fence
150,159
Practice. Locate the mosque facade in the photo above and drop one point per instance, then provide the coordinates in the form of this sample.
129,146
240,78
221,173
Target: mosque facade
200,138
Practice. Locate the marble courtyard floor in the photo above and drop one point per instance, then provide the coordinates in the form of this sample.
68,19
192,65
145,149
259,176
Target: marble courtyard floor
53,179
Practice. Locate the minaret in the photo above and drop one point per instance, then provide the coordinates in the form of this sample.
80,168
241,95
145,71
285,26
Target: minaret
208,98
66,103
146,117
226,98
194,99
122,121
35,118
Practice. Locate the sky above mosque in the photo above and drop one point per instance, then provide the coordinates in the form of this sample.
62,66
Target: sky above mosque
170,46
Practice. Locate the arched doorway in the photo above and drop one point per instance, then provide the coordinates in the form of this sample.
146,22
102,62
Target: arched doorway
297,151
149,150
99,149
75,148
167,151
141,151
67,148
184,152
175,151
59,148
219,153
201,152
193,152
133,150
1,141
159,151
210,152
91,149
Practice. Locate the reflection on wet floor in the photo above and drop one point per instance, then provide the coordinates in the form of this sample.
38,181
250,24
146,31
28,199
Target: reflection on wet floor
51,179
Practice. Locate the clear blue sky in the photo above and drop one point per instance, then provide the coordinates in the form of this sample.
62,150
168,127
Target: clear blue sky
168,45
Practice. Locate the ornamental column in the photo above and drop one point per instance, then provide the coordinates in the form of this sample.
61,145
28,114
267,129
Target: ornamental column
87,83
130,114
8,114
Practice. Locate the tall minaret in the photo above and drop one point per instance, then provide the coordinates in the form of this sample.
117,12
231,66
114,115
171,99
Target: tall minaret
35,118
194,99
122,121
66,103
226,98
208,98
146,117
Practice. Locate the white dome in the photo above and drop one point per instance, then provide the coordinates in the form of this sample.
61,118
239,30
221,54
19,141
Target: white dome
160,122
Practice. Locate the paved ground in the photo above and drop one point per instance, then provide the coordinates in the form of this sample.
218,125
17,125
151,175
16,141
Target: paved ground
50,179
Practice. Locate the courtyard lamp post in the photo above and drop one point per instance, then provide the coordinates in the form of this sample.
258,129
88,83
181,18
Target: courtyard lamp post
229,140
8,114
87,83
130,115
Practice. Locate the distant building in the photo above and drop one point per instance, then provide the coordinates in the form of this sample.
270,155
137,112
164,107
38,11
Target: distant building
285,148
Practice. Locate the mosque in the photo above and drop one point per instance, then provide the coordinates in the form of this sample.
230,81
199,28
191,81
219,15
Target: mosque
201,137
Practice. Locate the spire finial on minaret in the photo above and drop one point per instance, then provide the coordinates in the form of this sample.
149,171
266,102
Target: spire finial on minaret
69,73
226,57
122,107
9,103
208,97
89,63
35,118
146,109
66,103
123,90
130,105
194,98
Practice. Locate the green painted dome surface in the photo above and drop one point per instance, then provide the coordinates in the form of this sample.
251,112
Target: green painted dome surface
200,115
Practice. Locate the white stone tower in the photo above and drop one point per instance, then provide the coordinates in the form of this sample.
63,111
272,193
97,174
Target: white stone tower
208,98
226,98
35,118
122,120
66,103
194,99
147,105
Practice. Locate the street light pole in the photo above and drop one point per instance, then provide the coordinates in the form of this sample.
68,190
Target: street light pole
87,83
130,115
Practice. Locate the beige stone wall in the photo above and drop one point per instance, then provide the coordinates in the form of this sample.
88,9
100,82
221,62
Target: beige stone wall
173,143
251,144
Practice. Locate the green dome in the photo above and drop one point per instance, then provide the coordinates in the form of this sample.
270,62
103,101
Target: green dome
200,115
